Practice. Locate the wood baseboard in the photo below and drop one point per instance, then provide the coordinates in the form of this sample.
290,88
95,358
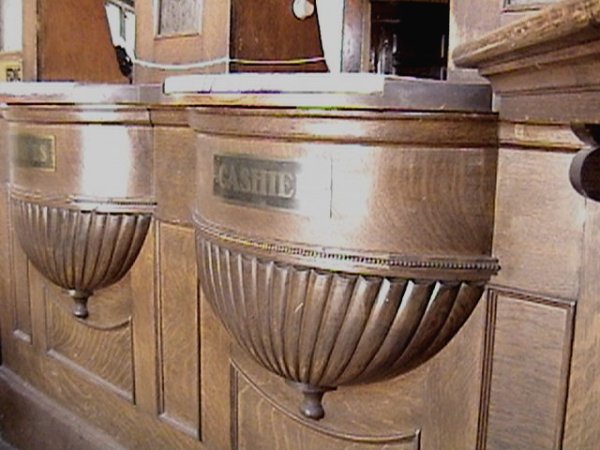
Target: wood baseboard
30,420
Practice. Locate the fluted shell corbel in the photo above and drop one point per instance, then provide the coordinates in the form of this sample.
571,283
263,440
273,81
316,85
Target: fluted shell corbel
321,328
80,246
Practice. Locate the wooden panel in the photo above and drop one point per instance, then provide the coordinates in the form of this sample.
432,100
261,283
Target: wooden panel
74,42
410,411
145,324
47,424
5,306
356,32
100,353
258,422
470,19
215,388
20,291
583,409
530,366
539,223
90,400
175,165
179,17
455,379
272,32
549,137
84,383
211,43
30,47
179,328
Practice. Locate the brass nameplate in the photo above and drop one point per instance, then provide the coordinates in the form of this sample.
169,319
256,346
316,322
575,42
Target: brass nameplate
256,181
11,71
34,152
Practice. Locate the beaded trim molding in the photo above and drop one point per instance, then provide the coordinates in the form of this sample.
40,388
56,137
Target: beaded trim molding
101,205
489,265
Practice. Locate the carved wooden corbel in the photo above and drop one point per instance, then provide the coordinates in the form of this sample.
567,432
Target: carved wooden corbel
81,188
345,246
80,246
585,167
324,328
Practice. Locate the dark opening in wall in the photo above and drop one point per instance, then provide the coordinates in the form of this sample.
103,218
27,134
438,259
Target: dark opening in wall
409,38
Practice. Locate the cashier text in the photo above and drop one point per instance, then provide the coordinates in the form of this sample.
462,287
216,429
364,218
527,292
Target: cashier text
253,180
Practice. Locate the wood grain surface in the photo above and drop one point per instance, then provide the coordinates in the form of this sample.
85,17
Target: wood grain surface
530,369
74,42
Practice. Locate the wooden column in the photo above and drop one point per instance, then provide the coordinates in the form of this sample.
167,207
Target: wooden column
544,69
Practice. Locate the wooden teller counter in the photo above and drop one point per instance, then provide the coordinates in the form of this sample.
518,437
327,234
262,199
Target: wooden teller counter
309,260
243,259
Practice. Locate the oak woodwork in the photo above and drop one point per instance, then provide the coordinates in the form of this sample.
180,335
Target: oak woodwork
80,250
19,288
585,168
181,399
69,40
255,35
328,296
541,63
527,404
157,320
182,17
63,341
356,35
209,42
48,424
85,236
520,373
174,164
470,19
542,262
543,68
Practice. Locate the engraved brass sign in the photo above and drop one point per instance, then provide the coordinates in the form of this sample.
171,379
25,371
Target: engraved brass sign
256,181
34,152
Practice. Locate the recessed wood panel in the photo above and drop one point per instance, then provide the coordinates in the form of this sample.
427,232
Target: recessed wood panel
210,40
272,32
215,387
454,378
20,291
48,425
180,344
6,316
179,16
421,404
175,165
582,430
539,223
529,361
470,19
96,404
391,412
74,42
258,423
102,353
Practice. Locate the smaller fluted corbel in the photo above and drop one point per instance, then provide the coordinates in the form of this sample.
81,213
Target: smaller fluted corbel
585,167
81,250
